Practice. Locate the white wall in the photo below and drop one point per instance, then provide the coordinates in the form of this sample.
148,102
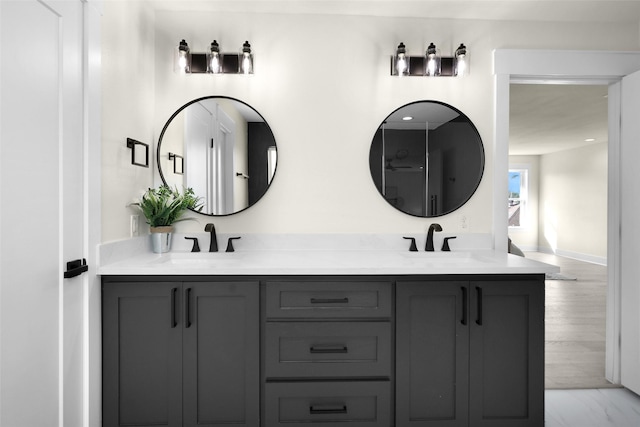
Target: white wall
573,202
128,111
322,83
526,237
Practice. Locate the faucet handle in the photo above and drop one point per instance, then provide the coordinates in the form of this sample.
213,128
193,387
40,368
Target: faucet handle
445,244
196,246
230,244
412,247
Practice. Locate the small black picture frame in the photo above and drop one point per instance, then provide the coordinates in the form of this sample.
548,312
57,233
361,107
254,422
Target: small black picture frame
139,151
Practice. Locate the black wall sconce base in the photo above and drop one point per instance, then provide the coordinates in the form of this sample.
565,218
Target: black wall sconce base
230,63
417,66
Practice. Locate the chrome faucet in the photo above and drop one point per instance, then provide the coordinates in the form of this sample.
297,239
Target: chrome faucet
433,227
213,244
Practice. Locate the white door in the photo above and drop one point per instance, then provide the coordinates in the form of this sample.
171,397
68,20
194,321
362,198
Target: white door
224,175
630,232
41,212
197,136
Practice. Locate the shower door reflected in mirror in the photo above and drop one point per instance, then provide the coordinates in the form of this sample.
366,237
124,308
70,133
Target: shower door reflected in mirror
227,152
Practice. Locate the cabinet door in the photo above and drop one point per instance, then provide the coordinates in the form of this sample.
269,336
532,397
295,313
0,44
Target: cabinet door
507,353
221,354
142,354
432,338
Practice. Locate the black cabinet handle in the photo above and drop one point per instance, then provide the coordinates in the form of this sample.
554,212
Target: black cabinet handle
336,349
76,268
329,300
465,305
319,410
479,318
174,323
187,308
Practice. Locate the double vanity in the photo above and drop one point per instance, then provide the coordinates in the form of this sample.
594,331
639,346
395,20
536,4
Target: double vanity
319,336
299,331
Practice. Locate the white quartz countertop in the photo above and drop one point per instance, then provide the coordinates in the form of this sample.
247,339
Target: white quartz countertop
325,262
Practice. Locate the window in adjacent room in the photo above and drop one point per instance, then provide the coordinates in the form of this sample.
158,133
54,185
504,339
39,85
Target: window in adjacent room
518,194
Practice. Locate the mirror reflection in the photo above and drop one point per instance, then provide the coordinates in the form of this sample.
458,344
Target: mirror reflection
426,159
223,149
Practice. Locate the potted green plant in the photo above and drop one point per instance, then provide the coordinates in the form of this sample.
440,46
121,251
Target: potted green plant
162,207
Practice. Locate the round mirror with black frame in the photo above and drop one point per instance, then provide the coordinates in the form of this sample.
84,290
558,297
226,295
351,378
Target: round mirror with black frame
223,149
426,159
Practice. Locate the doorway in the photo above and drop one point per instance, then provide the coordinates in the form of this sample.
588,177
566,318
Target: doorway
558,150
619,71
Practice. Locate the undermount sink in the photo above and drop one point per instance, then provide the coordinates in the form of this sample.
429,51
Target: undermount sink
439,256
446,258
196,258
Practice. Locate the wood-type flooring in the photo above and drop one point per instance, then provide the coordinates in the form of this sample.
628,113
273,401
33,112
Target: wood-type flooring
575,316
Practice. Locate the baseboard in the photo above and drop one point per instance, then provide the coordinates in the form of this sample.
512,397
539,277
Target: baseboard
575,255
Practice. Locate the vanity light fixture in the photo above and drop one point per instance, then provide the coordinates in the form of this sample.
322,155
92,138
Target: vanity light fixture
178,163
213,61
432,64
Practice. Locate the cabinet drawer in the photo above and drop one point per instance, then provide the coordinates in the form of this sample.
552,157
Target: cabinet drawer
357,404
302,299
328,349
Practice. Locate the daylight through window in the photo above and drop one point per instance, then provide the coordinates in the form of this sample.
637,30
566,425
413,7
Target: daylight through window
517,197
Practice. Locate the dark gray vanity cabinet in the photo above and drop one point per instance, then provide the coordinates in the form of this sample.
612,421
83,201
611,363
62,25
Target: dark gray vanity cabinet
300,351
180,353
470,353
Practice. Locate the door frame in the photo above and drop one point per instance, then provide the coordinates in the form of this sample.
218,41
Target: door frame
567,67
92,300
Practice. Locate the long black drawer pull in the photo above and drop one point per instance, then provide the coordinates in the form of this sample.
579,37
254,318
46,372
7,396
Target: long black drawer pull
174,323
479,319
465,305
329,300
187,308
328,349
319,410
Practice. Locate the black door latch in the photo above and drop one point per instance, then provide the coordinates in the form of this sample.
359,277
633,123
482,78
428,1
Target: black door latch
76,268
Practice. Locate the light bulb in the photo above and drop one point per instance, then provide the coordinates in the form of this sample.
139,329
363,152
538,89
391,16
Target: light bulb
401,62
461,61
433,61
247,59
182,62
214,58
214,64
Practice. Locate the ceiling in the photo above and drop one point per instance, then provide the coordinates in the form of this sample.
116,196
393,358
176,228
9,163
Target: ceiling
550,118
519,10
